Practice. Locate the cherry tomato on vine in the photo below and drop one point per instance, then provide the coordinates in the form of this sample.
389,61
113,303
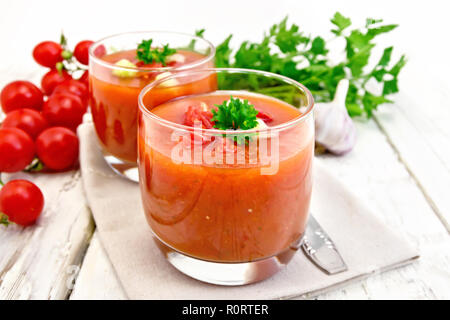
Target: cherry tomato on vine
100,51
22,201
64,110
81,51
75,87
16,149
48,53
57,148
21,94
53,78
28,120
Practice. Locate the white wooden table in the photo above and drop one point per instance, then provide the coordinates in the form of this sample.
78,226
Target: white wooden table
400,165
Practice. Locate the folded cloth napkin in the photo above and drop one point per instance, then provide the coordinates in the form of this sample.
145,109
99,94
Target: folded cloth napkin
366,245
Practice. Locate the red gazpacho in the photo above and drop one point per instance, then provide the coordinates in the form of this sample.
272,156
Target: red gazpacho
116,81
226,211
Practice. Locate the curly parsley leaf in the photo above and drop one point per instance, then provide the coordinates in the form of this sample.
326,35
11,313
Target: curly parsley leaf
287,39
340,22
147,54
235,114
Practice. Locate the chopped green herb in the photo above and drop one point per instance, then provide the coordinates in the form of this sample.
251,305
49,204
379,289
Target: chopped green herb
147,54
235,114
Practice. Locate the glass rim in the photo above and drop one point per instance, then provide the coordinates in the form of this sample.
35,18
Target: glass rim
194,64
280,127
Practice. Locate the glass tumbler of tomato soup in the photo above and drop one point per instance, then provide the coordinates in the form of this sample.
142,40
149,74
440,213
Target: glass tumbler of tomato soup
225,174
119,67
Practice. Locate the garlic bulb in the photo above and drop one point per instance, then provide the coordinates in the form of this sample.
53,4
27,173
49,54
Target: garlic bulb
335,130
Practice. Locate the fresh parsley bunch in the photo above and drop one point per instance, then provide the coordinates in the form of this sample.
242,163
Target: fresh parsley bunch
288,51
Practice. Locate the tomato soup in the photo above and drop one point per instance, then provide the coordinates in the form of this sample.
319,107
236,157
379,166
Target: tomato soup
226,212
114,96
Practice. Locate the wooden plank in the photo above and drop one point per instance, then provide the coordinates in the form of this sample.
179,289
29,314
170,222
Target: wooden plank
418,127
42,261
373,171
97,278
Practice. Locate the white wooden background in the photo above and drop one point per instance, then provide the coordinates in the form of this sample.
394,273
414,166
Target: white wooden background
400,165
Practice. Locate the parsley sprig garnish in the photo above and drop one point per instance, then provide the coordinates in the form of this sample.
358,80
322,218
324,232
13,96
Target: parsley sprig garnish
147,54
288,51
235,114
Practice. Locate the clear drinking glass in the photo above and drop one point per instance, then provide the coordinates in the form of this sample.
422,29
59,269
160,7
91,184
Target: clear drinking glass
227,207
114,87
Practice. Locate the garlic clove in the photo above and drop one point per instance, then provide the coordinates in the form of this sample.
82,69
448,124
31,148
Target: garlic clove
335,129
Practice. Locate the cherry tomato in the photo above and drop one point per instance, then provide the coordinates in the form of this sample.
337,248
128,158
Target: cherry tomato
100,51
194,114
16,149
57,148
22,201
81,51
75,87
21,94
48,53
53,78
264,117
30,121
64,109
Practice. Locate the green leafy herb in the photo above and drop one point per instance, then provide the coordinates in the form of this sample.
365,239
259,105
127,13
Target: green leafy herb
340,22
288,51
147,54
235,114
198,33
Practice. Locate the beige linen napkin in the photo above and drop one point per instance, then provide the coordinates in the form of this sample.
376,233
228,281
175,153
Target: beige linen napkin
366,245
